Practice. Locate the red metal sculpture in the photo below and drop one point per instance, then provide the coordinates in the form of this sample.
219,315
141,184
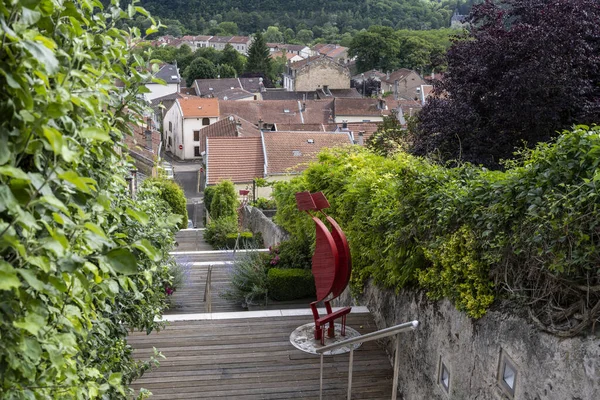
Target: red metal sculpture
331,264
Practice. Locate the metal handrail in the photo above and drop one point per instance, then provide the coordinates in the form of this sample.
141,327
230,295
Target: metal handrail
380,334
208,307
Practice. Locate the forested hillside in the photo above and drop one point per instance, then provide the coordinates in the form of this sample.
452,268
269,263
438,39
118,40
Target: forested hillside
200,16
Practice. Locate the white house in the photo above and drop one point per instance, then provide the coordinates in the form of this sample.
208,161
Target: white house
168,73
184,121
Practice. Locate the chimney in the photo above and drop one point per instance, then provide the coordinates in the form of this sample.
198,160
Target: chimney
396,89
260,123
361,139
387,75
381,104
303,106
239,122
345,124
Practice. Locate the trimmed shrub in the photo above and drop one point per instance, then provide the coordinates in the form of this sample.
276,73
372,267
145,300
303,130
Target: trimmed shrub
217,230
172,193
265,204
224,201
290,284
246,240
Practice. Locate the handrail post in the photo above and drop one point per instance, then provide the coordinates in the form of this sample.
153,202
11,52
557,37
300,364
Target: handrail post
207,294
321,380
396,368
350,364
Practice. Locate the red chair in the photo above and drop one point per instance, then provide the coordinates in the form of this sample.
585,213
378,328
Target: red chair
331,265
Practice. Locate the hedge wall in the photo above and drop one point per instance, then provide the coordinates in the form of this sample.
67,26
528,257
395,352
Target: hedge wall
530,233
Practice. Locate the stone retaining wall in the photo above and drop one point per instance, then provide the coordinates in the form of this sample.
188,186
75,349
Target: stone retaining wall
548,368
255,221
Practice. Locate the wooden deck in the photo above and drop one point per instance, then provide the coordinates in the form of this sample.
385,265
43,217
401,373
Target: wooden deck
253,359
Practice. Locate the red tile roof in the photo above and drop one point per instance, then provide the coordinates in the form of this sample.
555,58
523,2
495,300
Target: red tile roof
229,126
369,128
280,111
291,152
300,127
193,106
358,107
234,158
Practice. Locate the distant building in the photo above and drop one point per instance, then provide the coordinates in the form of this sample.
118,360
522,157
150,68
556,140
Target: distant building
403,84
168,73
318,72
457,19
333,51
183,122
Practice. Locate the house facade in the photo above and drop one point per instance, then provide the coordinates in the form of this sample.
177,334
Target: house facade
183,123
403,83
168,73
315,73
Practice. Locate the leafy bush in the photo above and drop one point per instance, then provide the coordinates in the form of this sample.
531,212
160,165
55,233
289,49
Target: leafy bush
293,253
265,204
224,200
81,263
290,284
529,232
172,193
217,230
248,279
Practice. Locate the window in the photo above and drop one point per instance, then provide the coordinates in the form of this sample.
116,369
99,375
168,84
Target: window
169,141
507,375
443,376
196,136
205,121
196,151
170,126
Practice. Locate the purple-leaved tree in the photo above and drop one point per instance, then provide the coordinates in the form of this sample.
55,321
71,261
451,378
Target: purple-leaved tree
527,69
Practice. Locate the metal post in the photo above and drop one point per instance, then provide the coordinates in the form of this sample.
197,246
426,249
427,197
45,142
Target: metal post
195,222
321,380
350,372
396,368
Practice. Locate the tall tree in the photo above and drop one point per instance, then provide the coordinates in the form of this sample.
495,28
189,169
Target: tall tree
232,57
259,59
527,69
200,68
376,48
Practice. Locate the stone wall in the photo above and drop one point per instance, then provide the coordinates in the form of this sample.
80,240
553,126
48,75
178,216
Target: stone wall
548,368
256,221
322,72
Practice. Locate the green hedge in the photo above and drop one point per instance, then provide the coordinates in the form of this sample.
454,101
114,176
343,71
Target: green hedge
246,240
466,233
217,230
290,284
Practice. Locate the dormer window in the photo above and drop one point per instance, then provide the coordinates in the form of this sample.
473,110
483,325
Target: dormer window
296,153
310,141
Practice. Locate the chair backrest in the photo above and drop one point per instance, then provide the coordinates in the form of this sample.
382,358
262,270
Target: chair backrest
344,269
325,260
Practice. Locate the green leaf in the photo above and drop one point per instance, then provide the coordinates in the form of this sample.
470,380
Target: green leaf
31,279
122,261
44,55
4,154
95,229
8,276
56,203
145,246
74,178
7,199
95,133
115,379
54,138
140,216
32,323
13,172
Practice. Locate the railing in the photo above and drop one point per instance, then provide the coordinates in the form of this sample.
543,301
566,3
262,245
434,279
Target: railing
380,334
207,295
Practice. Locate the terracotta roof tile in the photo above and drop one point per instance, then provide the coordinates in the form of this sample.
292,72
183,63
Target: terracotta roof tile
291,152
369,128
300,127
193,106
239,39
235,158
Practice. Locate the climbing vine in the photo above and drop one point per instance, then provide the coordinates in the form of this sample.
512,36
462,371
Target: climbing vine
81,261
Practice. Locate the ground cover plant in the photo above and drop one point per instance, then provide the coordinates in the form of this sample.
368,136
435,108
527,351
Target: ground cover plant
81,260
529,233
